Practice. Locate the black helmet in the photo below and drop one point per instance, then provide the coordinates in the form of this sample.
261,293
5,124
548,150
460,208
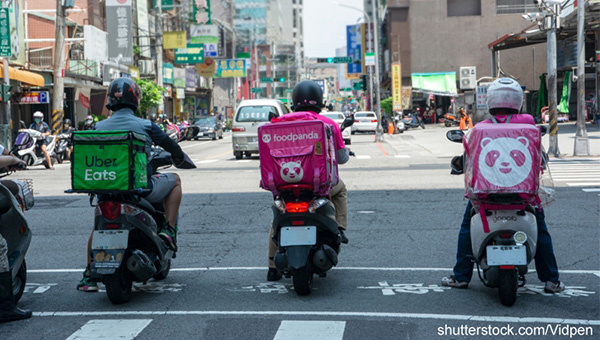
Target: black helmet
67,122
123,92
307,96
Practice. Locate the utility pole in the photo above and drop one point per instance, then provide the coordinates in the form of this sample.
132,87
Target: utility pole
379,132
58,92
159,53
552,95
581,147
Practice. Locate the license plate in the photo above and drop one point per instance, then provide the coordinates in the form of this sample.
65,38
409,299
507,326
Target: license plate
107,259
110,239
297,236
506,255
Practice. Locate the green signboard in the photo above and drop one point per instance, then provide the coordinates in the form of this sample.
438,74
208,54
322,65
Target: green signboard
167,73
243,55
5,46
266,80
193,54
256,90
164,4
342,60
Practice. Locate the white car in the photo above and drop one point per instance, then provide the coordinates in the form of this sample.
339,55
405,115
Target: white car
365,121
339,117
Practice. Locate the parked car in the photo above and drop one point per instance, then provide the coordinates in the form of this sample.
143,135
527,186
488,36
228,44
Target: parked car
364,121
338,117
209,127
249,116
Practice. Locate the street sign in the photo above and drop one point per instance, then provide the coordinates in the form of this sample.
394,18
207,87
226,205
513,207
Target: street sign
289,90
256,90
5,46
42,97
342,60
189,55
370,59
266,80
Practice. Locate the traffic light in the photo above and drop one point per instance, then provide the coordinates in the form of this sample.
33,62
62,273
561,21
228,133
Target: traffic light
330,60
5,92
363,79
282,79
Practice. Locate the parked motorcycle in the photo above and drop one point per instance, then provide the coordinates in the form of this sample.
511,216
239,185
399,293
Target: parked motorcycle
306,232
26,148
15,229
126,246
172,130
450,120
503,249
409,121
465,120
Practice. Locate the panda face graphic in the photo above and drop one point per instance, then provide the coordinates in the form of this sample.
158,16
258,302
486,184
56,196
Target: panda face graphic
505,162
291,172
266,138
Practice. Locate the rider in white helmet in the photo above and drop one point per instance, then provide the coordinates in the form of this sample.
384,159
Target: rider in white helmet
504,100
41,126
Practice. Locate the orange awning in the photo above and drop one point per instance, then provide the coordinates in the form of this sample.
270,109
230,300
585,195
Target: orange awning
23,76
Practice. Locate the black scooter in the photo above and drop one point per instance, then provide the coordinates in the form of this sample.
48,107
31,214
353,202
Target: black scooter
306,233
126,246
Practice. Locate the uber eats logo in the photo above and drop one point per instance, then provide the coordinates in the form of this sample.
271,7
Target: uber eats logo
99,162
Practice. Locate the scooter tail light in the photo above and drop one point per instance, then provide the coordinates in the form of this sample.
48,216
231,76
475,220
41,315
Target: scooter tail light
505,235
298,223
296,207
112,226
507,267
110,209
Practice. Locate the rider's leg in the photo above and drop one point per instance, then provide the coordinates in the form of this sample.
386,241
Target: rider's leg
47,156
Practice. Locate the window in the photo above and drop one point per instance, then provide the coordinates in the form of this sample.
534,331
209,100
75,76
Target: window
459,8
516,6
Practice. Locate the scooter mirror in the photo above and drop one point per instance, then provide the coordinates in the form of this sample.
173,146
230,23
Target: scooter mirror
543,130
455,136
348,121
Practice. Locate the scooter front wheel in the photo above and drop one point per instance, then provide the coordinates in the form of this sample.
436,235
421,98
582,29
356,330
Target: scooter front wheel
507,286
302,278
118,285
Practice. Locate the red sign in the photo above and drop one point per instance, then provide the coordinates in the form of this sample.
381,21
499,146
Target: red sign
85,101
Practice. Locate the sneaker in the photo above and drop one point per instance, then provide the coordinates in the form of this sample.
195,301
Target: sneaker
86,284
344,238
454,283
169,235
273,275
553,288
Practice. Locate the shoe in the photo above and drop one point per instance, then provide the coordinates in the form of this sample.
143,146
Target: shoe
454,283
344,238
86,284
9,311
553,288
169,235
273,275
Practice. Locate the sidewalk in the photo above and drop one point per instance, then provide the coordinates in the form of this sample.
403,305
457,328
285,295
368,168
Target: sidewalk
432,141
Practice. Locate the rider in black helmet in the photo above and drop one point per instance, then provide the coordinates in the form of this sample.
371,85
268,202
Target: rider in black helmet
308,96
124,97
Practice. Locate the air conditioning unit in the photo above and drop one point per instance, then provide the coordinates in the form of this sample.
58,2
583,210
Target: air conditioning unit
467,77
146,66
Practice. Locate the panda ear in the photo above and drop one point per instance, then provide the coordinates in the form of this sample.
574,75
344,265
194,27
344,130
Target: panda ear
523,141
485,141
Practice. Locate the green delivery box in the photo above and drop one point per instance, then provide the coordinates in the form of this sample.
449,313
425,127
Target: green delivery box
108,161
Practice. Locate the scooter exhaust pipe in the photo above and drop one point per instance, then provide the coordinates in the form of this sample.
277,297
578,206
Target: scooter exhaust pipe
140,265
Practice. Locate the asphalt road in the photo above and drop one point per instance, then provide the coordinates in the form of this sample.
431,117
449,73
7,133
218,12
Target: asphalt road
404,214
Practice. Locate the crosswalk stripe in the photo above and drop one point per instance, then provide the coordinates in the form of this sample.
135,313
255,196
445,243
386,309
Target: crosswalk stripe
110,329
584,184
207,161
300,330
591,189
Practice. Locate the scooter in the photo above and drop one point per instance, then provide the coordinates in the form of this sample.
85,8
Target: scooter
63,148
126,246
450,120
408,121
15,230
26,148
306,232
503,249
173,132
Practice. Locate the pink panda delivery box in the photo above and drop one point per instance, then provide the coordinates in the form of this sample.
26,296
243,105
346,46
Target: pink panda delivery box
503,159
297,149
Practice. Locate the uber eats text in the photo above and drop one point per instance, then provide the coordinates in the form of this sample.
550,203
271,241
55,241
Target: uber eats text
91,175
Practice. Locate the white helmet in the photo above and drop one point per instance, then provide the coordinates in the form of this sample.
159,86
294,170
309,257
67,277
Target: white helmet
505,93
38,114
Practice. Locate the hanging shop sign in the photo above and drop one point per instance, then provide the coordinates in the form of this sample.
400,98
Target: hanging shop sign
175,39
396,87
178,77
118,24
5,47
201,12
353,49
192,54
207,35
207,69
167,73
41,97
231,68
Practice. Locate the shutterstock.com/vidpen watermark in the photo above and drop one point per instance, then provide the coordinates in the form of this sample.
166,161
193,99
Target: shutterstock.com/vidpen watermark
570,331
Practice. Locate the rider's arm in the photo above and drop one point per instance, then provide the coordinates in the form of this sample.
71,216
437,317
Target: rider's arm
342,156
161,139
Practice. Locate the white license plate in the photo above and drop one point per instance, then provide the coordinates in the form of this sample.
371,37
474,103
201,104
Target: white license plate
200,134
297,236
110,239
506,255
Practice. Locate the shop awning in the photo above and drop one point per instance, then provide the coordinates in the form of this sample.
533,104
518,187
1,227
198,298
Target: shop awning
439,83
23,76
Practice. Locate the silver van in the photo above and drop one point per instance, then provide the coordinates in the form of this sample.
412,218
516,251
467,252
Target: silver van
251,114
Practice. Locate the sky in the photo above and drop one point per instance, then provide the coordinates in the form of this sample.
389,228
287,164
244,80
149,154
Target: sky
325,25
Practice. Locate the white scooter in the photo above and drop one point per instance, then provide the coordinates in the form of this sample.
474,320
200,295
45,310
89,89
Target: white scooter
26,148
503,250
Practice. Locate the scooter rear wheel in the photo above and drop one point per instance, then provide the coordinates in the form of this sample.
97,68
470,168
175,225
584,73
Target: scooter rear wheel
302,278
118,285
19,282
163,275
507,286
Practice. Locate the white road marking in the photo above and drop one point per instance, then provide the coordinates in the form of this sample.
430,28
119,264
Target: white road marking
195,144
483,318
243,161
299,330
585,184
363,156
402,156
207,161
391,269
110,329
591,189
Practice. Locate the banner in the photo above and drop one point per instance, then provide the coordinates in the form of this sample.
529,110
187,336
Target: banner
178,77
17,32
167,73
118,24
201,12
143,29
175,39
5,49
396,87
353,49
231,68
440,83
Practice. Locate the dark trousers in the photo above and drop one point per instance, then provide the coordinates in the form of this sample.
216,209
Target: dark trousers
545,262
